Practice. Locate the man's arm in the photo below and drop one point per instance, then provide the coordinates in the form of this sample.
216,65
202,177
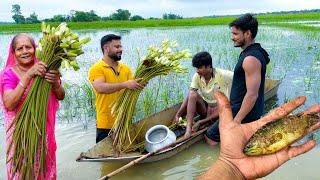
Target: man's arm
221,170
103,87
183,108
252,69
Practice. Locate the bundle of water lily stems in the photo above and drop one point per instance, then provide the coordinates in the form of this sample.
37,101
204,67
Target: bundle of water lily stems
159,61
58,46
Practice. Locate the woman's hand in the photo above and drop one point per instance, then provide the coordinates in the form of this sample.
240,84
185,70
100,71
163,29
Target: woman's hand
38,69
53,77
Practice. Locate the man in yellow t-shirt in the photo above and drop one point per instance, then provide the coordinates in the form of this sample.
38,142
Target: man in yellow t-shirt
109,78
200,98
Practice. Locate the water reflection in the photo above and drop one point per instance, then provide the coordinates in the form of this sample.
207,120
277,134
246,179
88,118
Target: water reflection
271,104
185,165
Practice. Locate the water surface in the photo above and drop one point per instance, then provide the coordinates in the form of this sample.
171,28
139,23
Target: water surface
295,59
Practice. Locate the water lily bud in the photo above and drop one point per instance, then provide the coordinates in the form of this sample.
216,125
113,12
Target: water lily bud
85,40
74,37
53,30
43,26
74,65
48,29
38,53
57,33
65,64
168,50
188,55
64,45
76,45
76,51
62,27
70,54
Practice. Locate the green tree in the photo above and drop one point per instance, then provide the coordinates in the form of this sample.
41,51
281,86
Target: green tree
165,16
81,16
136,17
94,16
171,16
107,18
17,15
121,14
60,18
33,18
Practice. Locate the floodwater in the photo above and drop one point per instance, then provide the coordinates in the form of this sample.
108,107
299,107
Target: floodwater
72,139
295,59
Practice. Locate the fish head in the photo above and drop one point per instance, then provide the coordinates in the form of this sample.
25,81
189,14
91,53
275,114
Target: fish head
253,149
312,118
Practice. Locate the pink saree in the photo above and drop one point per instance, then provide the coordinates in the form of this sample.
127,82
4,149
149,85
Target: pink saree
9,80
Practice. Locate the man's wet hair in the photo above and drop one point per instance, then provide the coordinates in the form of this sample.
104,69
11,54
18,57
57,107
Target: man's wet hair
108,38
202,59
246,22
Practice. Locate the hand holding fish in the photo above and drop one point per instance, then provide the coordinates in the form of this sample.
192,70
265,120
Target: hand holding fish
235,136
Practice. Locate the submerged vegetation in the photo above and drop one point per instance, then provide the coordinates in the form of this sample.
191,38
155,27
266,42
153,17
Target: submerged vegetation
288,50
294,60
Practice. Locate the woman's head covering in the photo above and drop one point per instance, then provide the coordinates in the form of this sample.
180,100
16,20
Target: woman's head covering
11,59
53,106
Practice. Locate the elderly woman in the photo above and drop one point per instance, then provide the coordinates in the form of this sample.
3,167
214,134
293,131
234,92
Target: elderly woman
15,81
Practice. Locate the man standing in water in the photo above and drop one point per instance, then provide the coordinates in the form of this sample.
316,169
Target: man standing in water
247,91
109,77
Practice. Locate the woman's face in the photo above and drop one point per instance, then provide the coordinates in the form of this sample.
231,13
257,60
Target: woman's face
24,50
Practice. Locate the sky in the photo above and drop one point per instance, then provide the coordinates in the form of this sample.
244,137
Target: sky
153,8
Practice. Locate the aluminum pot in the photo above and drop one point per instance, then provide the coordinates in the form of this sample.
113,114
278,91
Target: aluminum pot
158,137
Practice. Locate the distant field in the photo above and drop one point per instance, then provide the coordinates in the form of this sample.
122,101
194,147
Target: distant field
272,19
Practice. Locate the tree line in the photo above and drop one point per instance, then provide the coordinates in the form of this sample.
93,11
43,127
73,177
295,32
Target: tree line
82,16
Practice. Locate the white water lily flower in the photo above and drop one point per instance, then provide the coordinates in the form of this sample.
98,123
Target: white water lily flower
165,59
168,50
57,33
143,58
188,55
185,51
167,62
63,27
175,63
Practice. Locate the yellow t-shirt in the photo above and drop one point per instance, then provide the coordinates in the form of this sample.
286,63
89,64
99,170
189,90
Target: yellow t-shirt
206,90
104,102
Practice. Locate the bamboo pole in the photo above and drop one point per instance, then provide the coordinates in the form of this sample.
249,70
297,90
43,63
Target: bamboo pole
133,162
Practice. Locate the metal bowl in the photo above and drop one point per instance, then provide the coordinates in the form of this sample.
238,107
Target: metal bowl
158,137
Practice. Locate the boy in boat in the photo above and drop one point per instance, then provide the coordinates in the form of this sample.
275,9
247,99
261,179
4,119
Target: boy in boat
200,98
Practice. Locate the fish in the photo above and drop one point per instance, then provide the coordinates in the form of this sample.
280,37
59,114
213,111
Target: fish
279,134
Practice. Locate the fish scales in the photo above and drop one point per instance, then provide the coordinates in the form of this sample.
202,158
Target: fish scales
279,134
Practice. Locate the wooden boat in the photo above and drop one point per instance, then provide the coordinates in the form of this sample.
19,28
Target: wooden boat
104,152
